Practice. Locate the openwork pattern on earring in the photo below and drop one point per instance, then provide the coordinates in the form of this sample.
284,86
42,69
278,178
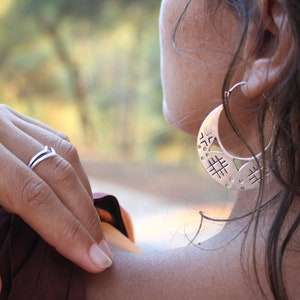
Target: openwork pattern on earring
233,172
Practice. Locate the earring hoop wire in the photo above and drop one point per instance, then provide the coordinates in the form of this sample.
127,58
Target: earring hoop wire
228,92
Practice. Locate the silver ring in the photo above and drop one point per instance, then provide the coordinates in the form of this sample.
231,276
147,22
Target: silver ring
40,156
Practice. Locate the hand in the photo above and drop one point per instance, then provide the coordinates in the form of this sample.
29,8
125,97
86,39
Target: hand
55,198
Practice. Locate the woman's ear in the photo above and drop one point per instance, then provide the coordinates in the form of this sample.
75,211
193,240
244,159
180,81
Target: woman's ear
267,57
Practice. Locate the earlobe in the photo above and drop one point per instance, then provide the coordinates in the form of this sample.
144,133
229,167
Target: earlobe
268,62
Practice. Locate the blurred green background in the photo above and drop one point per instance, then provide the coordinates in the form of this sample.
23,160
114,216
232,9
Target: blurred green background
90,68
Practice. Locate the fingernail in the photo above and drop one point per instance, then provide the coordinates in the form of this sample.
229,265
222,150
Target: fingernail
99,258
104,247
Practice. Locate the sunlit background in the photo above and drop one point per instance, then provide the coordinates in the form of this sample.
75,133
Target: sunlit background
90,68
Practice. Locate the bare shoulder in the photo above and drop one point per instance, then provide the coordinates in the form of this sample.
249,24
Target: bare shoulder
213,270
208,271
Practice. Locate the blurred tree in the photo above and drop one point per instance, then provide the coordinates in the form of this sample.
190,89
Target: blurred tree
49,17
99,54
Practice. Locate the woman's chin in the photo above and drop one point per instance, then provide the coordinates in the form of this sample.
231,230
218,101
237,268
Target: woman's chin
179,123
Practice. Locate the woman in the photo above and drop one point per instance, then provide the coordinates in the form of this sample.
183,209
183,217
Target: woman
244,54
207,47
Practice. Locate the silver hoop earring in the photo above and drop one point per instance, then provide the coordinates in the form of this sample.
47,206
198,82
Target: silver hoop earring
233,172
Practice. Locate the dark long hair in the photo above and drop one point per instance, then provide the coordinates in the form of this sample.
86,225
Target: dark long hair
283,100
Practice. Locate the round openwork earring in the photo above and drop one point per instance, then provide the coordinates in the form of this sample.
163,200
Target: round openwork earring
233,172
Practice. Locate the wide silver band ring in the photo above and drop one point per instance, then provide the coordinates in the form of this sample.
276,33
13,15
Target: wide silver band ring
40,156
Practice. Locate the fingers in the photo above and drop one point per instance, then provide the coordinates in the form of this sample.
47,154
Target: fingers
4,109
35,202
54,199
64,182
62,175
50,137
